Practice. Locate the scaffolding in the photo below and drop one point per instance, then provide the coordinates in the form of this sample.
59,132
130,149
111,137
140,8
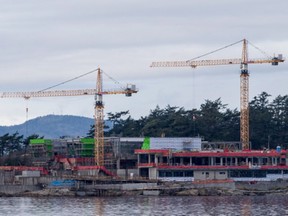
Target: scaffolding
41,151
111,150
231,146
79,152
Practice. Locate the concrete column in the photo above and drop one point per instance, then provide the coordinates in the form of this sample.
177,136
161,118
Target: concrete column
221,161
181,161
247,161
118,162
260,161
236,161
152,173
160,159
203,159
149,158
190,162
213,161
156,159
274,161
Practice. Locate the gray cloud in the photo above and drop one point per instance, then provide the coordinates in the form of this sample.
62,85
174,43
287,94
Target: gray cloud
43,43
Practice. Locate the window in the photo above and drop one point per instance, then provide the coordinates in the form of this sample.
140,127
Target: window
188,173
178,174
161,173
168,174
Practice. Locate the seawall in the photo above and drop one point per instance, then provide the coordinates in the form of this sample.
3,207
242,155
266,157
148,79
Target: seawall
40,187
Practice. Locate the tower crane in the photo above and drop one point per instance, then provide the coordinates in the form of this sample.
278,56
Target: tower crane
99,107
244,80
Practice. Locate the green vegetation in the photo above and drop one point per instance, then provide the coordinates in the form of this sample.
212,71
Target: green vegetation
213,121
13,149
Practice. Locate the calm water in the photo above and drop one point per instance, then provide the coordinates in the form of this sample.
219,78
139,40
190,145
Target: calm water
256,205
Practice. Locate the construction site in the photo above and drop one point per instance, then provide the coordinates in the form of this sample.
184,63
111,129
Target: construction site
117,160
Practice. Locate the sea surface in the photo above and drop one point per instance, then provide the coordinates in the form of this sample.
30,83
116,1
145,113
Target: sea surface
145,205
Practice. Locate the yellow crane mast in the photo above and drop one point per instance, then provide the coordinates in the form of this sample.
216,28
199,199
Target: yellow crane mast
99,107
244,81
99,115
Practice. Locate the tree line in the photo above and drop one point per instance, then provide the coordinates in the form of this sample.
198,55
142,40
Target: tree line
213,121
13,149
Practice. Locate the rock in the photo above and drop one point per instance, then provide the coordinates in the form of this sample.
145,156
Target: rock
80,193
191,192
51,192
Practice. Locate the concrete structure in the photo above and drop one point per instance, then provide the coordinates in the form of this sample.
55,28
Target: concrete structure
165,158
210,175
212,165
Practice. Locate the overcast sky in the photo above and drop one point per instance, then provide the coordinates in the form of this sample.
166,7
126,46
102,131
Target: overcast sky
43,43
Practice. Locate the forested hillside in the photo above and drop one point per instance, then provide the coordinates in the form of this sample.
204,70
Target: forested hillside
52,126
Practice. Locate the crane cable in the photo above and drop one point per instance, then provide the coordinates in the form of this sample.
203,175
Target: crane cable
69,80
115,81
85,74
264,53
214,51
26,123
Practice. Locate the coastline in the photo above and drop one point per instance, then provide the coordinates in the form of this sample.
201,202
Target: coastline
154,189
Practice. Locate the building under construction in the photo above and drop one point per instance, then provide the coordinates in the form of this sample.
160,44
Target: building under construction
167,159
72,154
160,158
221,161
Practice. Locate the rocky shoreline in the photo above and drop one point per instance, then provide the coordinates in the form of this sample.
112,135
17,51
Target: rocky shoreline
165,189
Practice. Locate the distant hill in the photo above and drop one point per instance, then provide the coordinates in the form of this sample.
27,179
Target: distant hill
53,126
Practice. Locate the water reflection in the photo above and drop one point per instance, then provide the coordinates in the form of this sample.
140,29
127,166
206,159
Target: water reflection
100,206
144,205
246,206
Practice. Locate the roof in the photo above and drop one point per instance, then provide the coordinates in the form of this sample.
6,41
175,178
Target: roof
246,153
